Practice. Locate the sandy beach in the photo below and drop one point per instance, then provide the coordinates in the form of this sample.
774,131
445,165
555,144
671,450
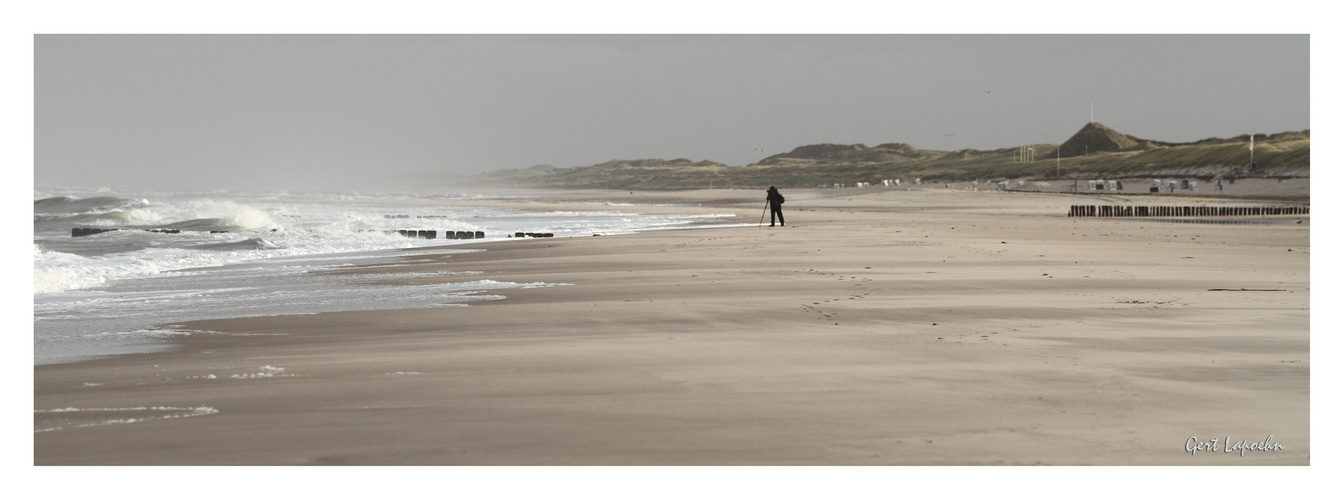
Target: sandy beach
879,327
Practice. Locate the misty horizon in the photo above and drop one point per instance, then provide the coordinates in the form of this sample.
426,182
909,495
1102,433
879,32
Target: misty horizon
289,111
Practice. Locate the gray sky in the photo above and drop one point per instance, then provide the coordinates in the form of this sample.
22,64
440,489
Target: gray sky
291,111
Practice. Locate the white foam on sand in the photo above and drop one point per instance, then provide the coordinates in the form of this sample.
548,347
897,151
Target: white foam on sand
82,325
267,371
102,295
70,418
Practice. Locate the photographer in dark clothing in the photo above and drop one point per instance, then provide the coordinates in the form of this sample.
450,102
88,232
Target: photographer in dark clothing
776,200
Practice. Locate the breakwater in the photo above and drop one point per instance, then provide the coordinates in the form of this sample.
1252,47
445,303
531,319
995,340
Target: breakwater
1182,211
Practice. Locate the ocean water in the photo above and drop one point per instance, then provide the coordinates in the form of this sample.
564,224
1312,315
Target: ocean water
255,254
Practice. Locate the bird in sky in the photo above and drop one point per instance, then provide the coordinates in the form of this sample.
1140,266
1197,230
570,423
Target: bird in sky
987,91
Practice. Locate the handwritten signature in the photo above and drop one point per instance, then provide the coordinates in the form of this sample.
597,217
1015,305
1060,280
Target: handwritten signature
1195,445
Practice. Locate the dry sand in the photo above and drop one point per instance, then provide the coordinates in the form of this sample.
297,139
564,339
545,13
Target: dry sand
880,327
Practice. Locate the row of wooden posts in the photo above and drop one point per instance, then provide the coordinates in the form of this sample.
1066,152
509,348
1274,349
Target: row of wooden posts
447,235
86,231
1178,211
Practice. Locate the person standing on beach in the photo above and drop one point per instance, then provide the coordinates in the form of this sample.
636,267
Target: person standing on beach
776,202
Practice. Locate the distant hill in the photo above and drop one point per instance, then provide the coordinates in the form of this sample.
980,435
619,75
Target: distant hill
1094,151
631,174
1097,138
846,153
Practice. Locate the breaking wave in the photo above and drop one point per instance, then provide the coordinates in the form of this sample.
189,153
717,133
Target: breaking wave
74,205
247,244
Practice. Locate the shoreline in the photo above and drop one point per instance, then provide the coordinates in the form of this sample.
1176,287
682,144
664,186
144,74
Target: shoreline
82,311
884,328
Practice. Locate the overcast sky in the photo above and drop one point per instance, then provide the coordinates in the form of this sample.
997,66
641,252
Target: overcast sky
235,111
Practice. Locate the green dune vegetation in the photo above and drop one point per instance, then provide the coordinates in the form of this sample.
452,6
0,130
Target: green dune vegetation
1095,151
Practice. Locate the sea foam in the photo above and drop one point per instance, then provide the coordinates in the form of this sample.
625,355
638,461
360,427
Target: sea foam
257,255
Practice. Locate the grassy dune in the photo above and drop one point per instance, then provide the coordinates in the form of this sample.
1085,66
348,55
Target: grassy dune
1108,154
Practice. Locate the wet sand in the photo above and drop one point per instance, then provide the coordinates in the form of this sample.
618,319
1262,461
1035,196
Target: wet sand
880,327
